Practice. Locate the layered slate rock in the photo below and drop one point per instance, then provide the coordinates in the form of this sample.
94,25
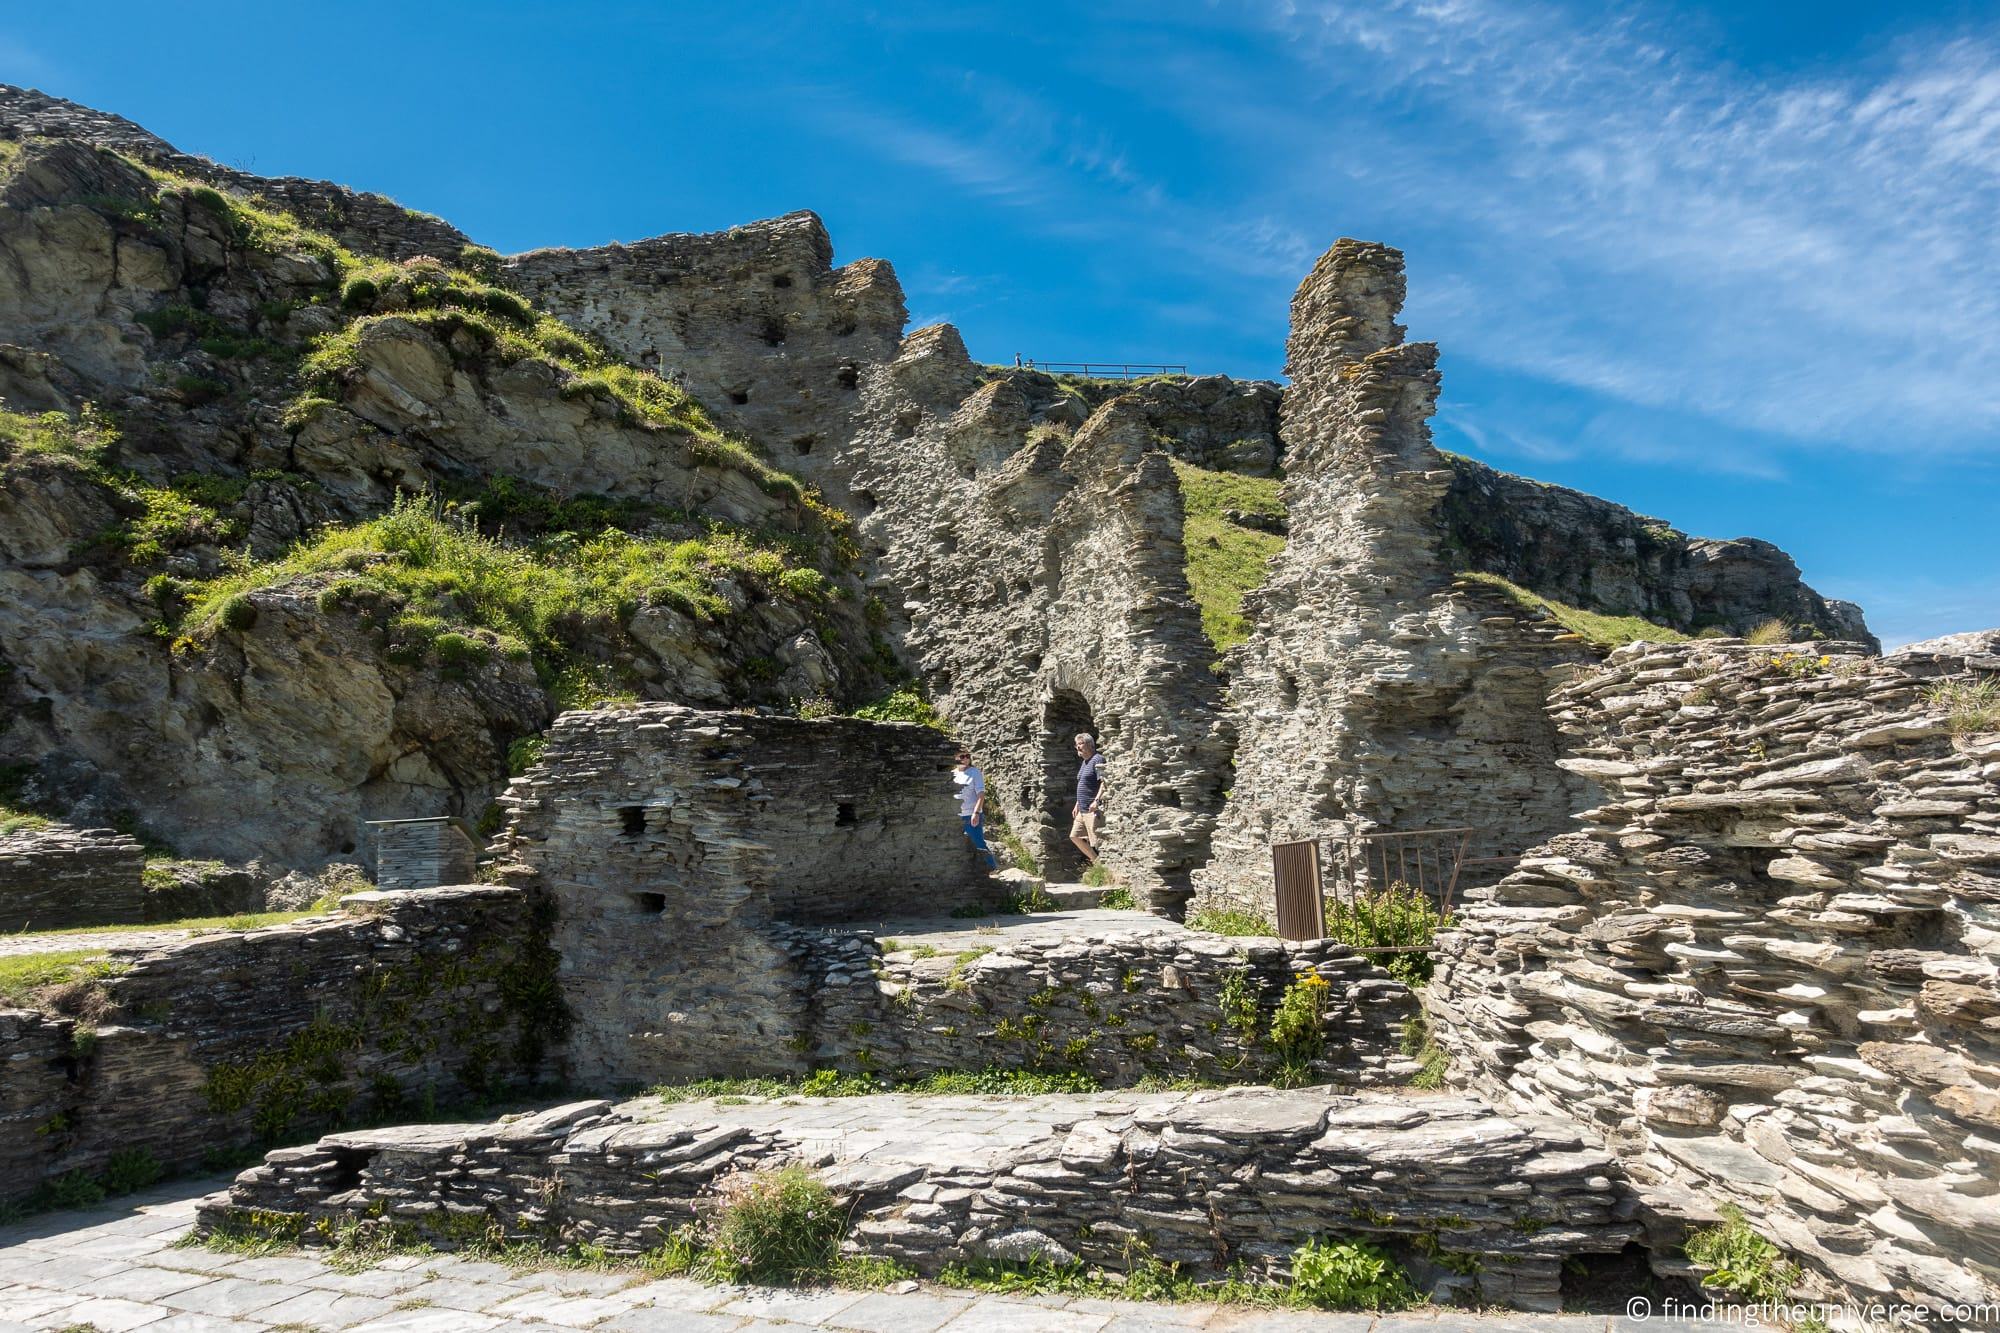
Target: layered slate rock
1119,1000
57,876
1766,972
171,1054
1483,1208
1377,692
1588,552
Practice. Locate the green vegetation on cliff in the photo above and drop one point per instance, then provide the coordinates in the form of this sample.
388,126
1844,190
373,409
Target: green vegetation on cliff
1603,630
1224,558
439,589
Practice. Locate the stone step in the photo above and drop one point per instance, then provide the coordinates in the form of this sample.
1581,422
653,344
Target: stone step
1073,897
1479,1207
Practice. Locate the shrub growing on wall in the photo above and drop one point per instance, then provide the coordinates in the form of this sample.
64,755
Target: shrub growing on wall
1398,917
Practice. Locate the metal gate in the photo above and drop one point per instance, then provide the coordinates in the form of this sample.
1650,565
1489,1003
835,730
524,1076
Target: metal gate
1348,867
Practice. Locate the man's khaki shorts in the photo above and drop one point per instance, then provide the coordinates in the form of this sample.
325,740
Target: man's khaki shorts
1084,825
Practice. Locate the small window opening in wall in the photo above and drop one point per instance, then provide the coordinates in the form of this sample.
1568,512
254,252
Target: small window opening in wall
781,280
632,820
739,396
804,444
844,327
844,814
774,331
652,904
849,376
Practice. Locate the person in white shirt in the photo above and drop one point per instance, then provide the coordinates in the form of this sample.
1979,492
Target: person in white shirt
972,804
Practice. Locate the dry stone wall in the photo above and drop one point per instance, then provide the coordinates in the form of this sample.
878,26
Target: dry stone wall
231,1039
1377,692
1118,1004
672,842
58,876
422,853
754,321
1483,1208
1766,973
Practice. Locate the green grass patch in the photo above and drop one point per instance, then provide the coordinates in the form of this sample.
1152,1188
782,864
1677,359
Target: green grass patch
1970,706
425,580
20,821
1603,630
832,1083
24,976
83,439
1741,1262
238,921
905,704
1225,560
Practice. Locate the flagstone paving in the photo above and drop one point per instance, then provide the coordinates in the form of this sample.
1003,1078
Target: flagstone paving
117,1267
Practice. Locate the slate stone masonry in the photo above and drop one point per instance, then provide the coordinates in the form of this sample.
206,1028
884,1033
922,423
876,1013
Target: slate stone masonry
1766,972
57,876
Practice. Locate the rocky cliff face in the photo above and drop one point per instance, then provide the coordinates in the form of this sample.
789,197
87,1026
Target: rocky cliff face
248,374
1587,552
218,616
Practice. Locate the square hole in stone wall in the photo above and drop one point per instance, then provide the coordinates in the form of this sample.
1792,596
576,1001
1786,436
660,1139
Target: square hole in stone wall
652,904
632,820
844,814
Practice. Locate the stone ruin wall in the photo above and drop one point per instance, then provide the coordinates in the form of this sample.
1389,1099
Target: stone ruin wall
1037,587
1379,693
1483,1209
1042,583
55,877
673,842
212,1045
1766,972
422,853
1118,1003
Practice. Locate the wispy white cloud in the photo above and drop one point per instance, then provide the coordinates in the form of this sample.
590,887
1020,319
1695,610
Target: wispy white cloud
1811,257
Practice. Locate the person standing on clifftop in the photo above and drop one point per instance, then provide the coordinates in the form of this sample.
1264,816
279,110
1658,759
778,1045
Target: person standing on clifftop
972,804
1089,797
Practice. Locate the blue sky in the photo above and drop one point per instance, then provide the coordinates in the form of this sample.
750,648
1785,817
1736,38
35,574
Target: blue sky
1737,266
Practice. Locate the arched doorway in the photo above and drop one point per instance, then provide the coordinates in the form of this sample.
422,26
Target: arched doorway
1064,714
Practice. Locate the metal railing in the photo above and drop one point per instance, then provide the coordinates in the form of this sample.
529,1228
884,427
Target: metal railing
1364,865
1099,370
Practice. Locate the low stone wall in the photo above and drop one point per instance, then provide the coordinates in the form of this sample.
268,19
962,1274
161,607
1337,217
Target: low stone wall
1482,1208
1117,1004
1767,974
228,1039
55,877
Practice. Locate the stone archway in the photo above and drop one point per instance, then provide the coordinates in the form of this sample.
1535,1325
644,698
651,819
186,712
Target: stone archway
1064,713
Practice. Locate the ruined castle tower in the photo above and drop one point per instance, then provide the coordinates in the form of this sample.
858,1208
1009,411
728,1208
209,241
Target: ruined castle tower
1378,693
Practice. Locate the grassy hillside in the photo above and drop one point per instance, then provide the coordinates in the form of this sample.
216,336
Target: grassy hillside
1226,559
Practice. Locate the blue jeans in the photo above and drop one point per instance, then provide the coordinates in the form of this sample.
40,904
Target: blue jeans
978,836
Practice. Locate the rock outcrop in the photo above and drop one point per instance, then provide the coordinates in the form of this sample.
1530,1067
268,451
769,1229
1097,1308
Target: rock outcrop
1765,973
1583,551
1378,692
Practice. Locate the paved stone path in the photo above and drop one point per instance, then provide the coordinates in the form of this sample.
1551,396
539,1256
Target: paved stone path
953,934
117,1267
15,945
